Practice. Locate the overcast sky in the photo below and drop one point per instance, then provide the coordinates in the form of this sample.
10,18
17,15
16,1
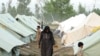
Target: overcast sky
88,4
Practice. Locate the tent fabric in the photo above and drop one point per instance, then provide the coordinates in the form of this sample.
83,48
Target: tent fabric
93,19
10,31
91,45
28,21
4,53
91,22
34,18
74,35
93,50
55,23
96,29
8,41
22,38
10,22
72,22
28,39
16,51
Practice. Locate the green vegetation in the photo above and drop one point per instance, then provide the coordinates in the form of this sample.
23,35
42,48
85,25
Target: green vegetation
58,9
96,11
22,8
52,10
3,8
81,10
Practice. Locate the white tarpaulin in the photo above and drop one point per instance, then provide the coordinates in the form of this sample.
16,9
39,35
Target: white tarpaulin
10,31
28,21
34,18
10,22
8,41
72,22
74,35
91,45
92,21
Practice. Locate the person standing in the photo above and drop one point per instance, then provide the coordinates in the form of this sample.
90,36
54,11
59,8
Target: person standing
46,42
80,51
38,33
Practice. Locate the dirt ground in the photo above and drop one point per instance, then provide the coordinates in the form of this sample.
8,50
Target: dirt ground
32,49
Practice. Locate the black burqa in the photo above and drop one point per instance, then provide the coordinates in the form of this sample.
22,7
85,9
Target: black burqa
46,42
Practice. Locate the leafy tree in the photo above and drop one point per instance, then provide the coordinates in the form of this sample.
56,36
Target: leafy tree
22,8
81,10
59,9
96,11
3,8
12,10
37,9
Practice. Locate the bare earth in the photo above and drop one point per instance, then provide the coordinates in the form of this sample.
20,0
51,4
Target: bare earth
33,50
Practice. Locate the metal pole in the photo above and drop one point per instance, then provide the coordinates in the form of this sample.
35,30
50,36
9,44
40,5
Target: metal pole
41,15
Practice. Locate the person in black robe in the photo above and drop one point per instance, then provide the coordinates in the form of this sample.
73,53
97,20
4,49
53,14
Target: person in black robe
46,42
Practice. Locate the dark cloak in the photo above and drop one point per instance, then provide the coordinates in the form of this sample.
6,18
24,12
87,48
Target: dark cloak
46,43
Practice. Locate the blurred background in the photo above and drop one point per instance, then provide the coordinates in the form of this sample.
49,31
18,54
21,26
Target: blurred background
49,10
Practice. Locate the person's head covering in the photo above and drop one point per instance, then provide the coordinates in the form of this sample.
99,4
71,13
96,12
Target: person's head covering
47,28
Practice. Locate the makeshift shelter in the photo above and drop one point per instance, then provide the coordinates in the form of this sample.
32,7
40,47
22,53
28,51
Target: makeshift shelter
93,20
55,23
8,42
82,31
27,21
8,21
91,45
10,31
34,18
70,24
74,35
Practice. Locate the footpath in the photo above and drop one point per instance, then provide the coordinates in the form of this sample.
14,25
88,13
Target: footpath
33,50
